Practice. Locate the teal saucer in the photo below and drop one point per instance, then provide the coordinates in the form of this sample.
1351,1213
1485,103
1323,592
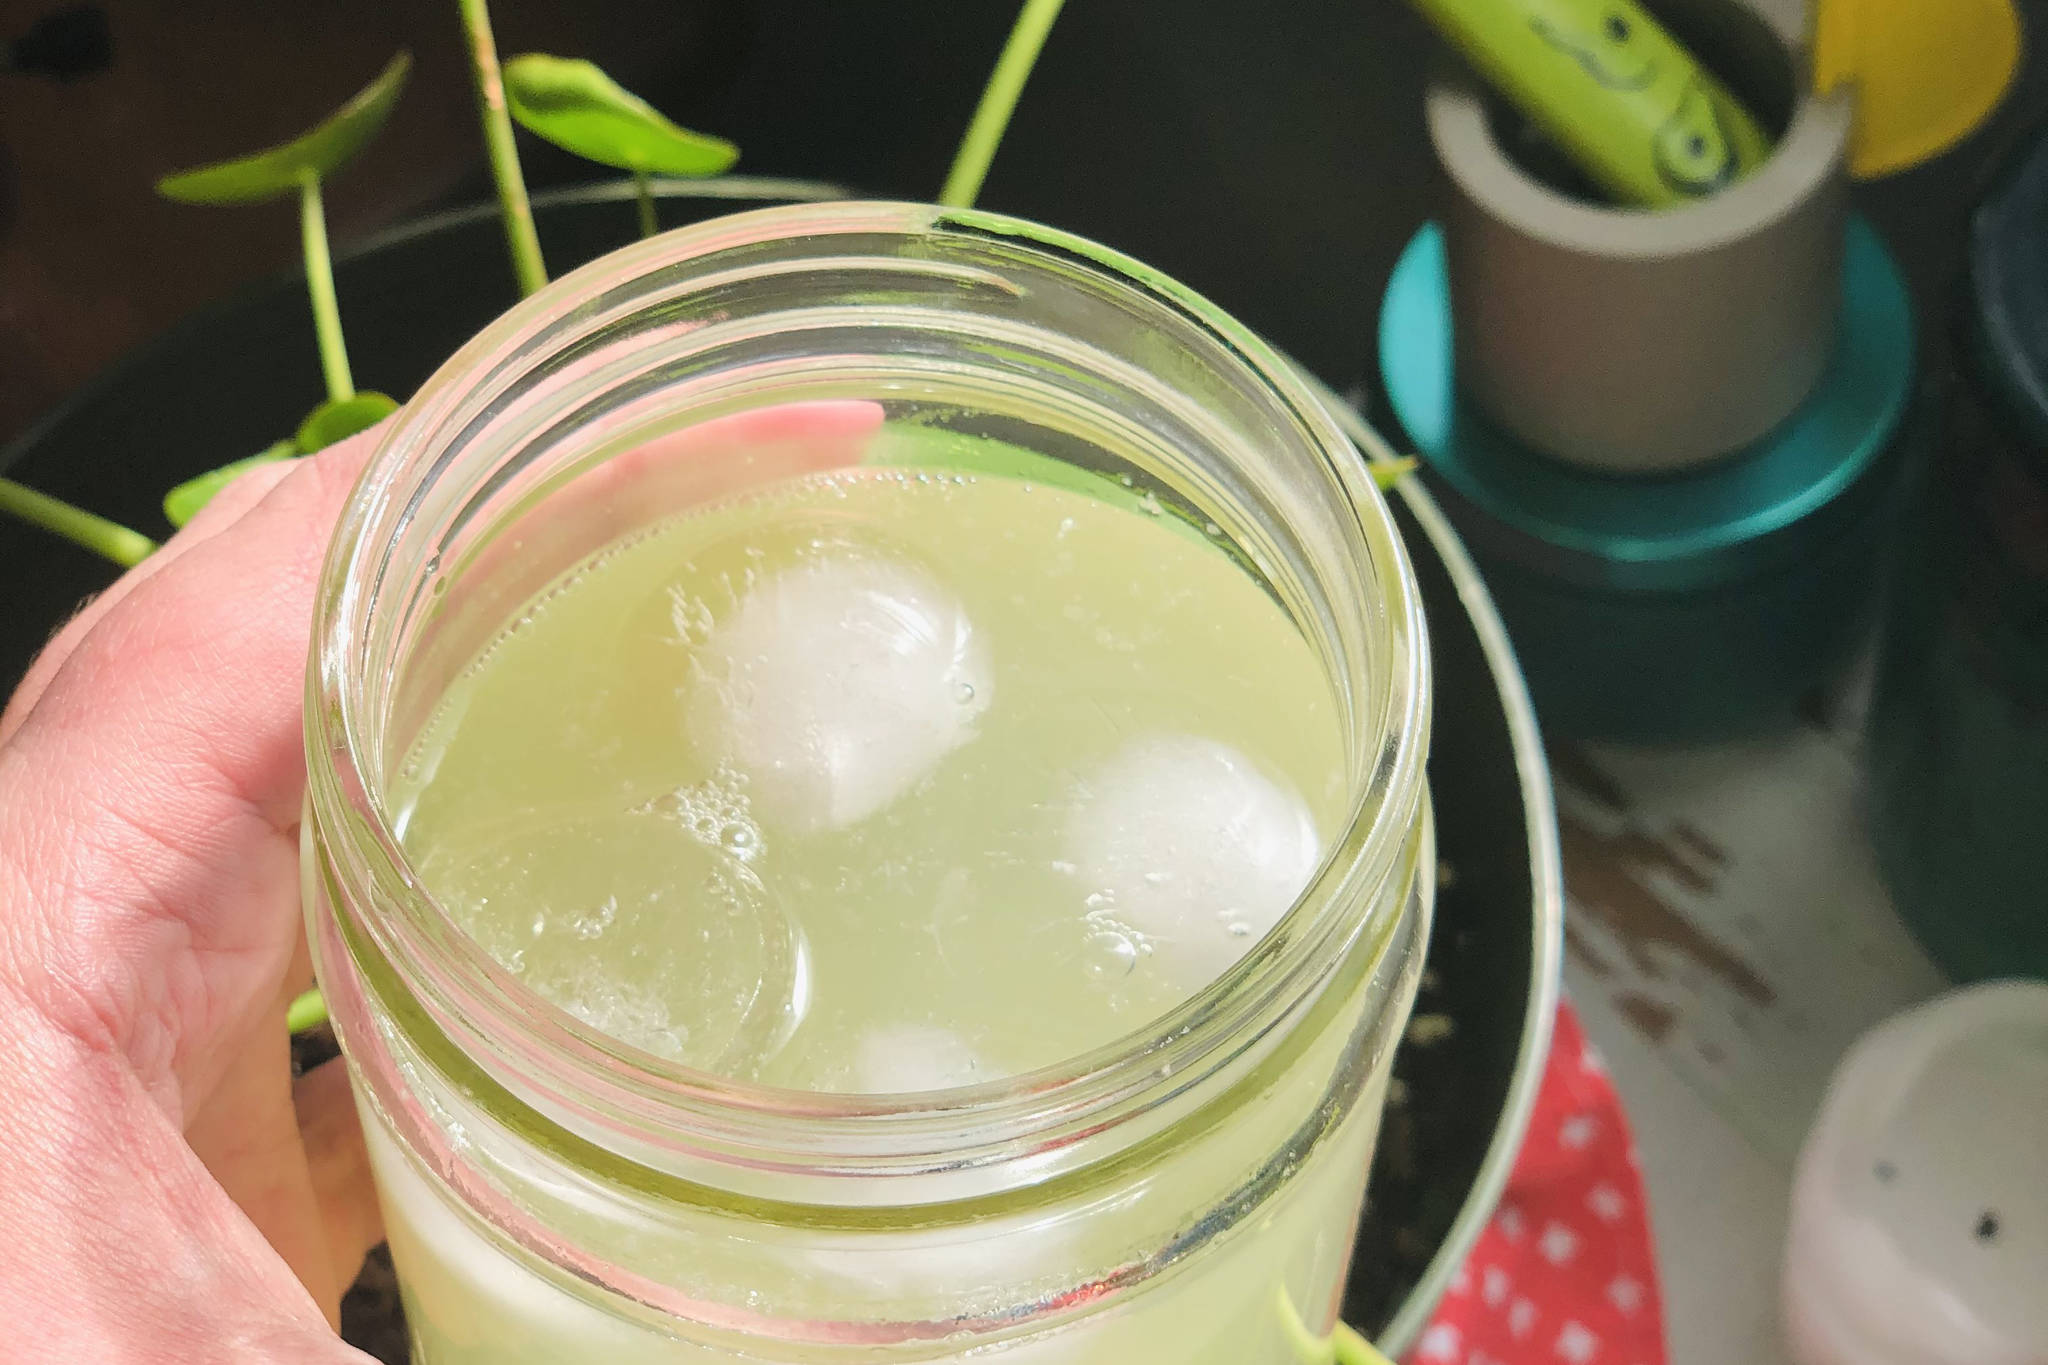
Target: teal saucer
1720,522
1681,607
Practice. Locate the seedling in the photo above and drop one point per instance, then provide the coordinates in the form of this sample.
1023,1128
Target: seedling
578,108
298,167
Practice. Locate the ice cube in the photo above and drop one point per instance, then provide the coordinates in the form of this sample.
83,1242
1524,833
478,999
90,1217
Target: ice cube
646,924
989,1256
1187,842
837,686
470,1295
906,1059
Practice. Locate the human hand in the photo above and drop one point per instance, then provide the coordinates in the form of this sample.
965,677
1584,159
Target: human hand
167,1191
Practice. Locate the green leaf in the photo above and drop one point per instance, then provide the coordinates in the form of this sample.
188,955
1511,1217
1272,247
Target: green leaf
1353,1349
339,419
1343,1346
574,105
330,422
279,171
308,1010
182,503
1387,473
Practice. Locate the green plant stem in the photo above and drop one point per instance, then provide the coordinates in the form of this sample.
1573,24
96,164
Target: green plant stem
109,538
523,241
307,1011
341,384
648,227
1353,1349
998,102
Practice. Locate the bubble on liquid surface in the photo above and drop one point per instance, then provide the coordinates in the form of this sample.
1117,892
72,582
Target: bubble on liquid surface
634,924
836,686
628,1011
715,812
596,920
1199,851
1111,955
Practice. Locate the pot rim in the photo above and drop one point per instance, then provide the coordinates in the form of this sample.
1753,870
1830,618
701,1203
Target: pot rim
1546,876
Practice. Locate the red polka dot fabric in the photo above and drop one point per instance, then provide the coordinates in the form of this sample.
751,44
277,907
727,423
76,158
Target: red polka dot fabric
1563,1275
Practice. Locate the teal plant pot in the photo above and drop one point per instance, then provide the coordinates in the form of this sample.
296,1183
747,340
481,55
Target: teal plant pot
1958,737
1686,607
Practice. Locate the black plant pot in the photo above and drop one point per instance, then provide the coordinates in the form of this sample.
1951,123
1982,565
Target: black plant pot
229,381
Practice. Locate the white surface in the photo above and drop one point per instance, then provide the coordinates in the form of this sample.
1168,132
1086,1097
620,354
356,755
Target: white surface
1728,939
1920,1204
1716,1205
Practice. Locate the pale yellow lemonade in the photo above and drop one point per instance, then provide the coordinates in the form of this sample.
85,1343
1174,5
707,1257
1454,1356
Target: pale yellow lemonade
888,780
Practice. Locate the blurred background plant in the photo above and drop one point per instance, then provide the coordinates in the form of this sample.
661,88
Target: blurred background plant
1274,160
569,103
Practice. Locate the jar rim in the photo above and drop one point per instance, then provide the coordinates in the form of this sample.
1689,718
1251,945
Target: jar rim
461,986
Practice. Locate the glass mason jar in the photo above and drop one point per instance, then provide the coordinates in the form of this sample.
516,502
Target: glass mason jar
552,1194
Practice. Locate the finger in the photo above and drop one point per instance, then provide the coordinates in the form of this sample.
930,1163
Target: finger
116,1243
225,508
247,1135
249,566
298,977
154,785
673,472
699,464
331,1130
744,449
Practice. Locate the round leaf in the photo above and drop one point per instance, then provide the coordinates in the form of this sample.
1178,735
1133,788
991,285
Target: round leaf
309,1010
182,503
338,419
279,171
577,107
1387,473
